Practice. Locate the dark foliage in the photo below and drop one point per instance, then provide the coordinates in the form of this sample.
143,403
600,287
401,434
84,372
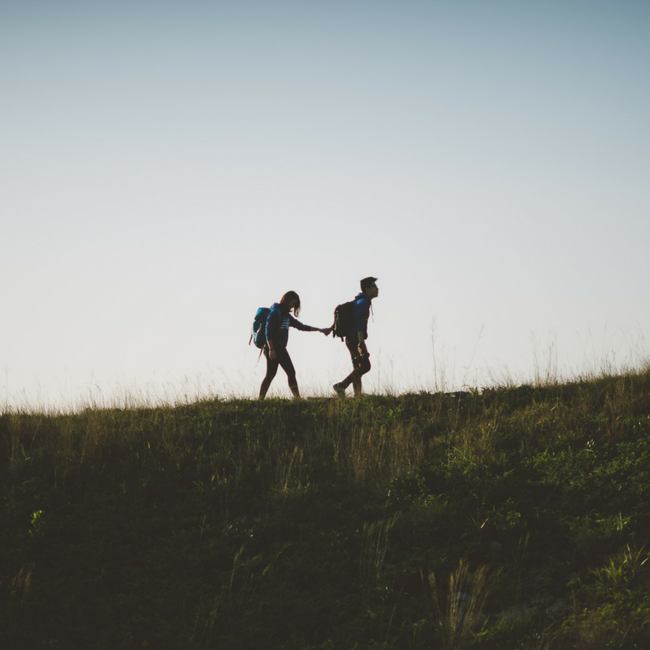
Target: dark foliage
326,524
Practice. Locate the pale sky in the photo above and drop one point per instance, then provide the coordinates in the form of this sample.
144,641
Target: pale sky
168,167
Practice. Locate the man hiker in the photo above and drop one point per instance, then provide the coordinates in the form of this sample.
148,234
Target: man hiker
355,340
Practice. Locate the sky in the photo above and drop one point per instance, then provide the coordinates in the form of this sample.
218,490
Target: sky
168,167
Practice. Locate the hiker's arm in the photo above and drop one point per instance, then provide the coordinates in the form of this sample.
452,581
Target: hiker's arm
307,328
271,329
361,336
361,313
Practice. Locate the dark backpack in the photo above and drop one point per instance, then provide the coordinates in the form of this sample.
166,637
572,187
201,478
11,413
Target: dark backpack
343,319
258,335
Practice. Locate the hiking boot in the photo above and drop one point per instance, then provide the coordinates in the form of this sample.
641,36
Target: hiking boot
340,390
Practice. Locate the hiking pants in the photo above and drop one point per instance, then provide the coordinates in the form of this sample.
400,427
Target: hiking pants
283,359
360,365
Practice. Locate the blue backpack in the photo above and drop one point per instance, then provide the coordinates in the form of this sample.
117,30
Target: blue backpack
258,335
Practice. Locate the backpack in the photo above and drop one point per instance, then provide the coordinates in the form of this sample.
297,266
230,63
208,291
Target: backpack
258,333
343,319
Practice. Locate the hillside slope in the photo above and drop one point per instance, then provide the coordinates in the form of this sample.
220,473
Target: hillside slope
514,518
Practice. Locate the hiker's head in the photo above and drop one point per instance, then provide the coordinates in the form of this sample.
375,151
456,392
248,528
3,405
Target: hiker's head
290,300
369,287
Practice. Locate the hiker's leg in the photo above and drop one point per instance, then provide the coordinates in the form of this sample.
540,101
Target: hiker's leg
287,365
271,369
351,345
362,367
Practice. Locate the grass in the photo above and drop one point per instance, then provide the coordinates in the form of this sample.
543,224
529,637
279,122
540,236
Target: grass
511,518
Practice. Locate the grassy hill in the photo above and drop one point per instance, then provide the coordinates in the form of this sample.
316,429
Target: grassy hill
514,518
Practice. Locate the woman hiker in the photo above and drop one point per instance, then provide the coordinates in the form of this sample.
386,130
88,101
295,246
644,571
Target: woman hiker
278,323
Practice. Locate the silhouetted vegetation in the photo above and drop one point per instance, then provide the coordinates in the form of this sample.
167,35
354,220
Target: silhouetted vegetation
511,518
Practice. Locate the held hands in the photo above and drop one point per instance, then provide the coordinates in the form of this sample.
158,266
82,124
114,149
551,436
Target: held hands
325,330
